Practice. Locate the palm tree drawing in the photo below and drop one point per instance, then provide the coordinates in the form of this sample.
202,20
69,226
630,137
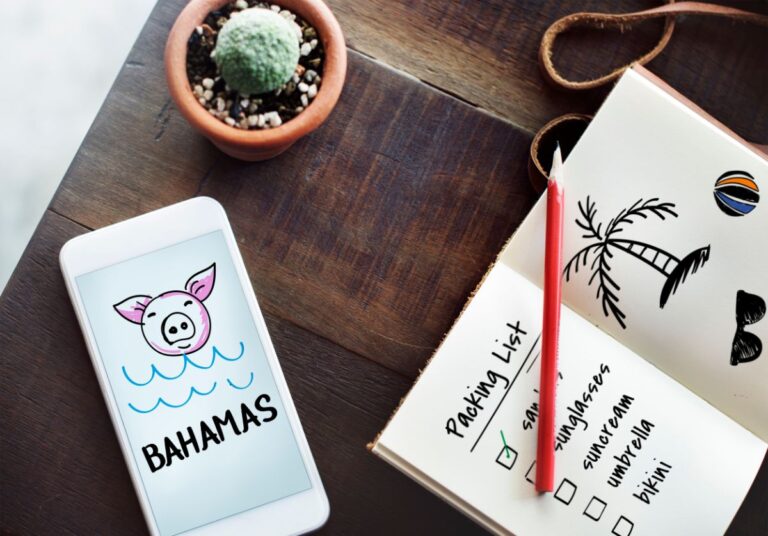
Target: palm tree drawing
605,241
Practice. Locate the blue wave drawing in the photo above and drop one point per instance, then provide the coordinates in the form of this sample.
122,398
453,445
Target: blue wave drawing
187,360
161,401
246,386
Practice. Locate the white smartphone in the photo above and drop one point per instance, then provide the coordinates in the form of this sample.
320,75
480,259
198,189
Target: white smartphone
191,380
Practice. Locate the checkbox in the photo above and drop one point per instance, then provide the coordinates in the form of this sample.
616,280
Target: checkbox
530,476
565,491
595,509
507,457
623,527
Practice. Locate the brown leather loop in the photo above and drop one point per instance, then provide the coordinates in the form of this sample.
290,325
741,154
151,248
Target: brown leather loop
623,20
566,129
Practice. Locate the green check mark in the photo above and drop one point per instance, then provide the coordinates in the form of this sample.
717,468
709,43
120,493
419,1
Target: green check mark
506,447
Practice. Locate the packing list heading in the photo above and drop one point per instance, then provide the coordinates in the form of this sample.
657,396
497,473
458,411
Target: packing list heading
495,378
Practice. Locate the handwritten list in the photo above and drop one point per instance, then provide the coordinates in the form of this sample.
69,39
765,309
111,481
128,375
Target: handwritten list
630,454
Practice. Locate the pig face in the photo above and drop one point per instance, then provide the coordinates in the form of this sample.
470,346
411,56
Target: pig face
175,322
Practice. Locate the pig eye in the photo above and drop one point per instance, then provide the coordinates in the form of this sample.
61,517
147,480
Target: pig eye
150,315
188,302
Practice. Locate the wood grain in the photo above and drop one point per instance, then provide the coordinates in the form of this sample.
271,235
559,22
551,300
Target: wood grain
362,241
62,470
360,216
371,232
485,52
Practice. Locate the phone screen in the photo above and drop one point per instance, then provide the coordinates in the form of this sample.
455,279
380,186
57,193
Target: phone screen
194,390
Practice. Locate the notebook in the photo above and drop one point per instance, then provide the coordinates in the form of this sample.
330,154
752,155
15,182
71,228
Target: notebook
662,403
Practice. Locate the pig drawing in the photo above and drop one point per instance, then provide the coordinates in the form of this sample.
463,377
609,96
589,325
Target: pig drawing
175,322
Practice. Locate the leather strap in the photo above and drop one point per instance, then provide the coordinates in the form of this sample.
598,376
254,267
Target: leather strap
624,20
543,142
564,130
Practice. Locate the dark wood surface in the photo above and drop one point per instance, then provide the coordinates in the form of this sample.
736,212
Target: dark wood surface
362,242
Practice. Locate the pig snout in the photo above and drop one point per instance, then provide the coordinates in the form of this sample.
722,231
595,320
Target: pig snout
176,328
176,323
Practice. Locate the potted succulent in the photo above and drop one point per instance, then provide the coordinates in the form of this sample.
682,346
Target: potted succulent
252,76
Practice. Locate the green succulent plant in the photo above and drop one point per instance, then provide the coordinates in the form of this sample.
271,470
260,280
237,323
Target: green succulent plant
257,51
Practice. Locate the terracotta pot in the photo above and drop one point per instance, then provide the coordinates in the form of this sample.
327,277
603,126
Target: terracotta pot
257,144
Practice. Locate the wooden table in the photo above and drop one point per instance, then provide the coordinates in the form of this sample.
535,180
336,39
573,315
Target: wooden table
363,241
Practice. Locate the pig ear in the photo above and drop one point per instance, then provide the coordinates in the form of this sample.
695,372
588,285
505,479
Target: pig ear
200,285
132,309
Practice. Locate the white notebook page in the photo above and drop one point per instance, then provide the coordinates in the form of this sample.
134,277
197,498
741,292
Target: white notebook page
645,147
639,453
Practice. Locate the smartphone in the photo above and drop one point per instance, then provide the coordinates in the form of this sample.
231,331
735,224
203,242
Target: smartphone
191,380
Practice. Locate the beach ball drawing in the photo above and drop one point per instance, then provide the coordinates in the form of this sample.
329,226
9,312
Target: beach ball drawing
736,193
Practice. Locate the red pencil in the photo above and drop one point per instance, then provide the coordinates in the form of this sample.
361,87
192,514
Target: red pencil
553,260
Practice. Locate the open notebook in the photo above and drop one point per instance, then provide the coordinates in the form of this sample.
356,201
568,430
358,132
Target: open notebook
663,398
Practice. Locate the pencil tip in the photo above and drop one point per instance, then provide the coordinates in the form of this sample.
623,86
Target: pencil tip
557,162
